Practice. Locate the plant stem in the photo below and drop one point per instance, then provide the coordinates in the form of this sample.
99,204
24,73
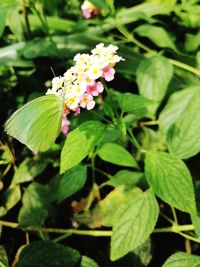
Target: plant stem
131,38
144,123
134,141
97,233
175,228
186,236
25,14
174,215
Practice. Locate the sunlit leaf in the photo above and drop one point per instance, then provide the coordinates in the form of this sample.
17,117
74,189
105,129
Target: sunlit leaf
156,34
171,180
153,77
134,223
183,136
87,262
38,123
116,154
79,143
182,259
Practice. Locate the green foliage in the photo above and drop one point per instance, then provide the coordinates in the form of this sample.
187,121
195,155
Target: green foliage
46,253
79,143
67,184
182,260
156,34
171,180
183,135
135,152
153,77
87,262
134,223
116,154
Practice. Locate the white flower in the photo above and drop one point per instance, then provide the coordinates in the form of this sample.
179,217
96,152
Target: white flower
98,49
72,101
57,82
94,72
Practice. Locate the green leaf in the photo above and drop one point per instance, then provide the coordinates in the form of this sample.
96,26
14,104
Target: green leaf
170,179
3,257
139,105
10,198
87,262
47,253
67,184
99,3
134,223
37,124
153,76
183,136
182,259
34,205
79,143
9,56
116,154
176,105
28,170
192,41
126,178
196,222
3,16
157,35
144,10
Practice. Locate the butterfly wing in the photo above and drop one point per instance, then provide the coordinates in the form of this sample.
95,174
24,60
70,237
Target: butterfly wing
37,124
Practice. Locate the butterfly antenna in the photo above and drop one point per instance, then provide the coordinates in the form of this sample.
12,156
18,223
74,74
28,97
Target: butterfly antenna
53,72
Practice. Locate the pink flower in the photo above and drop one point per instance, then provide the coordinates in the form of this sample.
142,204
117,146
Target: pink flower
89,10
95,89
77,111
87,101
87,13
108,73
65,124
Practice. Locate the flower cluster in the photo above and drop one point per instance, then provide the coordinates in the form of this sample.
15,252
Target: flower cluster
80,84
89,10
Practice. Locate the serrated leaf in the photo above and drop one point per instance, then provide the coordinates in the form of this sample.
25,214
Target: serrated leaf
47,253
182,259
134,223
67,184
116,154
34,208
153,76
87,262
176,105
79,143
170,179
183,136
157,35
37,124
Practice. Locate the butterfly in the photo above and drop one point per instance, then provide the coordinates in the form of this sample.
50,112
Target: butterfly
37,124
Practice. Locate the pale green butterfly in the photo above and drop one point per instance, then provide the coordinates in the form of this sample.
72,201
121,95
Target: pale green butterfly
37,124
